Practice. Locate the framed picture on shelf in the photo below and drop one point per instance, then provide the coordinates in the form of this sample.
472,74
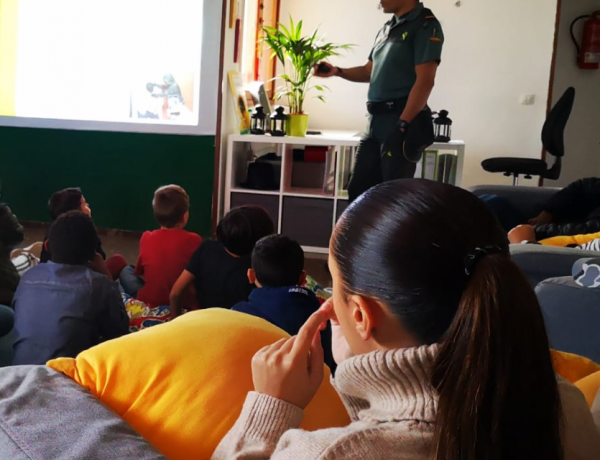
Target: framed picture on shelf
430,164
345,170
446,171
239,101
329,176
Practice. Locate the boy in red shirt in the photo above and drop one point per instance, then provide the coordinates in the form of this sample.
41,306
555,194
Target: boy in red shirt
164,253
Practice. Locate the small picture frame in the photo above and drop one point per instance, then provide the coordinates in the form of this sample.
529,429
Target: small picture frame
239,101
430,164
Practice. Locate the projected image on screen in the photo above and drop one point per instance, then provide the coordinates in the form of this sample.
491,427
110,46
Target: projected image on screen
122,61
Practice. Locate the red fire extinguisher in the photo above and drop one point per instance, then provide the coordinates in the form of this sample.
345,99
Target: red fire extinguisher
588,54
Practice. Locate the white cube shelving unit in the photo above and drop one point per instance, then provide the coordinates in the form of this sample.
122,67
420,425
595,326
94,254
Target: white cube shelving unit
307,215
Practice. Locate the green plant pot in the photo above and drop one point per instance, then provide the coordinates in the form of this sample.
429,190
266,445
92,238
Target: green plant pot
297,125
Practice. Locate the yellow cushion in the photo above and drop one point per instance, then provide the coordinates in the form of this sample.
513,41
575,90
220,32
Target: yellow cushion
573,367
182,385
568,240
589,386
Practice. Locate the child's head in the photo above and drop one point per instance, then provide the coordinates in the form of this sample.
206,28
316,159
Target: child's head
242,227
277,261
11,231
171,206
72,239
69,199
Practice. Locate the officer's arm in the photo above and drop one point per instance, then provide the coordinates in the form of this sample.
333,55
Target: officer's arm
361,74
417,100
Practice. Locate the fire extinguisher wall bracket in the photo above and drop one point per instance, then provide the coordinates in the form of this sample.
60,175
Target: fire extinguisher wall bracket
588,53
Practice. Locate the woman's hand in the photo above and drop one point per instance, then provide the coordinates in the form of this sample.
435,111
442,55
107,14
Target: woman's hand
339,344
292,369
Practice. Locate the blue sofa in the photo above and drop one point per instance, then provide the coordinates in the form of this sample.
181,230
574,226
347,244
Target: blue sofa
537,262
571,311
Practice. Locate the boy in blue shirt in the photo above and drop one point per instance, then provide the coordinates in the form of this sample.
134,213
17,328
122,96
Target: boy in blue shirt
278,273
69,304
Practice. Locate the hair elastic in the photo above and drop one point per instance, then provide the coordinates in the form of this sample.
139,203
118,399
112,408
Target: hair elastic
473,258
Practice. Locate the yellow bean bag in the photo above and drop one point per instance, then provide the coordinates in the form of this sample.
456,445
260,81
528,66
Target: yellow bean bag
589,386
573,367
182,385
582,372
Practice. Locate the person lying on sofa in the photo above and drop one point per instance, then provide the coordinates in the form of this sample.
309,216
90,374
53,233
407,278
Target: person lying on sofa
526,234
575,210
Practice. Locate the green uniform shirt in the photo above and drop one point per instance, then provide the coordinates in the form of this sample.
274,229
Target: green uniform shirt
395,55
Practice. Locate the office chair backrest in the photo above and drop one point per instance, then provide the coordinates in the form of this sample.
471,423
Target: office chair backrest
554,129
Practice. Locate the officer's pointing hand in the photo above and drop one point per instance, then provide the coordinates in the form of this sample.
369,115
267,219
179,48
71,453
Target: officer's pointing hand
324,70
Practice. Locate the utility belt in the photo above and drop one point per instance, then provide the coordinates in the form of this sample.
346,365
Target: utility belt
381,108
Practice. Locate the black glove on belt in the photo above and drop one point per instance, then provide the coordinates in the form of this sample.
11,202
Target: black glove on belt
394,144
410,140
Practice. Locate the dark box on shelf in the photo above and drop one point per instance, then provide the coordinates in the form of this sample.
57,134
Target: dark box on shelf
308,220
268,202
308,175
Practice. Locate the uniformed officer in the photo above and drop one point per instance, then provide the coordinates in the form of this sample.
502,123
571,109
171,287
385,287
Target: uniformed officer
401,74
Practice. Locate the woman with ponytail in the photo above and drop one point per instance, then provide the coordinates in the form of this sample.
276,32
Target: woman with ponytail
440,342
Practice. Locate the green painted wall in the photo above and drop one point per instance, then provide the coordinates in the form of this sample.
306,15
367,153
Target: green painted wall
118,173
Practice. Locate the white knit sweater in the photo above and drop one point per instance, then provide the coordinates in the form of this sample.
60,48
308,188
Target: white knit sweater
393,409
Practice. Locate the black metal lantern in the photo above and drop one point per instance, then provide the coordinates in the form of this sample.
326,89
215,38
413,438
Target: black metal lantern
442,127
278,122
258,121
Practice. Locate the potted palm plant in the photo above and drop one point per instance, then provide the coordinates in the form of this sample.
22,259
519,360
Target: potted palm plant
298,56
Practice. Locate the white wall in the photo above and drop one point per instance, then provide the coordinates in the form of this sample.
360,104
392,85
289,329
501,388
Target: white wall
495,51
582,137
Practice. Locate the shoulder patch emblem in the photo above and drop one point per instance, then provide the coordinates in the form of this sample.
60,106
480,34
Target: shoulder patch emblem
434,38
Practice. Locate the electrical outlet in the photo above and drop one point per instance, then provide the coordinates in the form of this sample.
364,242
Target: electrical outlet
527,99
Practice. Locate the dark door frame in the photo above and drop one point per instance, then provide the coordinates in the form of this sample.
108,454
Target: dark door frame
217,164
552,73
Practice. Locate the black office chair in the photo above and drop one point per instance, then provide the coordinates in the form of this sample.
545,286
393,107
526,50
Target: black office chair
553,141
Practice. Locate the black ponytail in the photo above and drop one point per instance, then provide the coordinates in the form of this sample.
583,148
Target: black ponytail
407,244
498,396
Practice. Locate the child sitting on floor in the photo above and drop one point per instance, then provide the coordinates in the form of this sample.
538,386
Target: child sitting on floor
278,273
69,199
11,234
164,253
72,199
69,304
219,268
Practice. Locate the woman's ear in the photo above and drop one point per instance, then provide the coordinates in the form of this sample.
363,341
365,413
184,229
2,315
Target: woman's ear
47,245
364,314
